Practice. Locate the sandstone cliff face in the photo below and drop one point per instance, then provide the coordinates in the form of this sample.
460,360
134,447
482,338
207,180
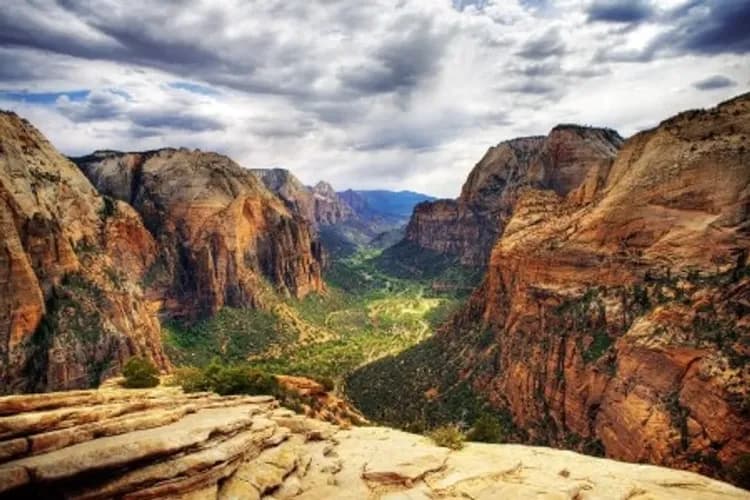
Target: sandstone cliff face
469,226
623,323
222,236
161,443
71,308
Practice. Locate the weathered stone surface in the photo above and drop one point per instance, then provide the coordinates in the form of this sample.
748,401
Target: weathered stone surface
231,453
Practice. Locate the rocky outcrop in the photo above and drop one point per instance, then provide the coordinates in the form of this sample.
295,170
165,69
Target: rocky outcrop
468,227
161,443
222,236
621,325
319,205
329,207
319,402
71,306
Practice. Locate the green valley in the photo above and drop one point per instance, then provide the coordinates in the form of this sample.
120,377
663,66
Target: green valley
367,312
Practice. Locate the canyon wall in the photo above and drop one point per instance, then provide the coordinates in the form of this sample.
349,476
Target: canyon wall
72,309
223,238
468,227
614,317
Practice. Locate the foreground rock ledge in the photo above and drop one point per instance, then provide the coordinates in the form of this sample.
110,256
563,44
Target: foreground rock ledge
161,443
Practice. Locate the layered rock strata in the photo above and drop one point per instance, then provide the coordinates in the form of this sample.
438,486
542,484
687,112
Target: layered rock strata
160,443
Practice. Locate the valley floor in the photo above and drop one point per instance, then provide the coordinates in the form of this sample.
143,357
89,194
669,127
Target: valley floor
365,314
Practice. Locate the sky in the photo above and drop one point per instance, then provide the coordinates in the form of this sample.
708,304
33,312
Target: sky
391,94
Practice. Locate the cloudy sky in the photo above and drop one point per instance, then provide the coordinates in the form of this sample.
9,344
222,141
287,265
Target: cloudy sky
400,94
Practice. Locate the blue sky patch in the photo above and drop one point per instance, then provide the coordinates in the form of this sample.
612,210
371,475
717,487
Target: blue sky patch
42,98
193,87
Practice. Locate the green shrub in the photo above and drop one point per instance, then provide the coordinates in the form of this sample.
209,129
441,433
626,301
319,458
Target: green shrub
327,382
487,429
448,436
739,473
140,373
226,380
245,380
191,379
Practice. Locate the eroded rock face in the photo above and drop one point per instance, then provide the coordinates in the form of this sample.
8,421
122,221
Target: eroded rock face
624,322
221,234
319,205
71,306
469,226
161,443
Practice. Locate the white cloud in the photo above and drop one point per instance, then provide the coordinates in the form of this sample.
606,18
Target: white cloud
403,94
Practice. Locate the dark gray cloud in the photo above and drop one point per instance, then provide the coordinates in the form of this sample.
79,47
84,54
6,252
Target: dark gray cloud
110,104
714,82
464,4
703,27
708,27
402,63
549,44
534,87
175,120
619,11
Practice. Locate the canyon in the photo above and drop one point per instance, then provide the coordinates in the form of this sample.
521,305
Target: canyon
610,316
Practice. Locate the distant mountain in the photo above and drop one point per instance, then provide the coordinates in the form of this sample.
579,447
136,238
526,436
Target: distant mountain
349,219
384,204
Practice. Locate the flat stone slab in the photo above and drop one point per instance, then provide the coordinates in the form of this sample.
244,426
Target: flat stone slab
120,450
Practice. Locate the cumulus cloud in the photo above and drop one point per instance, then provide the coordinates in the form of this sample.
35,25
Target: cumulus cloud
404,94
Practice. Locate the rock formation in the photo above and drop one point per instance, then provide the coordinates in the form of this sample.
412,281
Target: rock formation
319,205
161,443
329,207
71,306
221,234
468,227
617,318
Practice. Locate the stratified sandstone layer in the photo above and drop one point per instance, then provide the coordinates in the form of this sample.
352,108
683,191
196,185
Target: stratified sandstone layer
221,234
160,443
71,306
468,227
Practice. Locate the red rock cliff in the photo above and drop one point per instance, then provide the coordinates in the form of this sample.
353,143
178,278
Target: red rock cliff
222,236
71,307
469,226
621,314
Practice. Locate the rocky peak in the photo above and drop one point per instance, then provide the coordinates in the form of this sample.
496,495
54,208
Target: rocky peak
71,305
325,190
319,205
221,232
563,161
